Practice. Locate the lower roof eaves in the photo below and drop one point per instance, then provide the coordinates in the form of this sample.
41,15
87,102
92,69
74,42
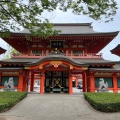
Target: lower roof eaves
104,69
11,68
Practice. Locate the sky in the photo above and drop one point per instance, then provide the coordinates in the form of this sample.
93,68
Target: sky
68,17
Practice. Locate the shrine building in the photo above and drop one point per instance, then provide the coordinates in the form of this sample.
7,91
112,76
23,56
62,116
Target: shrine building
57,60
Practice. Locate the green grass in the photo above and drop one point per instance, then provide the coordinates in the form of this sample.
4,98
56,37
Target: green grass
9,99
104,101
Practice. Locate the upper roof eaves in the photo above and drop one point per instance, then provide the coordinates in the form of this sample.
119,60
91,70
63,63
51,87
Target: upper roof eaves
68,28
72,29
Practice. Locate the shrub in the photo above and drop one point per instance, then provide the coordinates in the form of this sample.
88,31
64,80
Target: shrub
9,99
105,102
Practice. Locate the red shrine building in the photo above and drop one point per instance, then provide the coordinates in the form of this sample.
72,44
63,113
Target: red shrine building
57,60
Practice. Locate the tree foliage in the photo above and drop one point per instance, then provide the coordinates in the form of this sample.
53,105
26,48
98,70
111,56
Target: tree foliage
10,52
27,13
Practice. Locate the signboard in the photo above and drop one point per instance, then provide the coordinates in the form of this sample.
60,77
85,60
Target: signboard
57,44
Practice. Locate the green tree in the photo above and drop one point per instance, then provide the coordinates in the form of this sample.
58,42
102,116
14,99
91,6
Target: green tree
10,52
27,13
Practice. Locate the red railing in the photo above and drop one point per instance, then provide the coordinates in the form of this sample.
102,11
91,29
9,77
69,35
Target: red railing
88,55
29,56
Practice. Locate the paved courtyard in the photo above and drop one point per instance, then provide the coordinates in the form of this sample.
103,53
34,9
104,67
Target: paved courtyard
75,90
55,107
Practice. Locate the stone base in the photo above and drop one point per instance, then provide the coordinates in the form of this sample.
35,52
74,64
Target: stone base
102,90
9,89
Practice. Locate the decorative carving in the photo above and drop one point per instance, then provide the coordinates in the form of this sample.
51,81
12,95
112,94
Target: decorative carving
40,67
71,67
27,67
57,82
102,86
56,63
84,68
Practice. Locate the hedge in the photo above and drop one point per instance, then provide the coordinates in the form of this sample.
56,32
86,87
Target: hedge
9,99
104,101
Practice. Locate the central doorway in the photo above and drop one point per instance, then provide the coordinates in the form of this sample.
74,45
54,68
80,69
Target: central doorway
56,82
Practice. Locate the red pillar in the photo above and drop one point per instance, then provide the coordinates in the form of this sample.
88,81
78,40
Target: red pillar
87,81
115,83
84,82
92,82
20,82
42,83
32,82
24,83
76,80
70,84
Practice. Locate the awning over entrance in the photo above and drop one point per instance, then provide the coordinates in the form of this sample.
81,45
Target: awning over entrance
56,57
55,61
55,72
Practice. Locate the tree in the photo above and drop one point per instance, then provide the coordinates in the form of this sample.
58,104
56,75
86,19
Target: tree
10,52
27,13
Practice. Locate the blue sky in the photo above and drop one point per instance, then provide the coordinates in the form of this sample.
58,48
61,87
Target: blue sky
67,17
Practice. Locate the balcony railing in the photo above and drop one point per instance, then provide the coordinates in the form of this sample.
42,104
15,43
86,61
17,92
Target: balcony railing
88,55
28,56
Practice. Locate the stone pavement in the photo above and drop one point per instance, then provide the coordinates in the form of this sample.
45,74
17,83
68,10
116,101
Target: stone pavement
75,90
55,107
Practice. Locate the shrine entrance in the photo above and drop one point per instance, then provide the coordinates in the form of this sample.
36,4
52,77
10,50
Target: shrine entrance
56,82
56,76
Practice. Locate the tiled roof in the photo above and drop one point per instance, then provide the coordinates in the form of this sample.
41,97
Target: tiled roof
19,60
69,28
104,69
56,57
93,60
10,68
73,29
